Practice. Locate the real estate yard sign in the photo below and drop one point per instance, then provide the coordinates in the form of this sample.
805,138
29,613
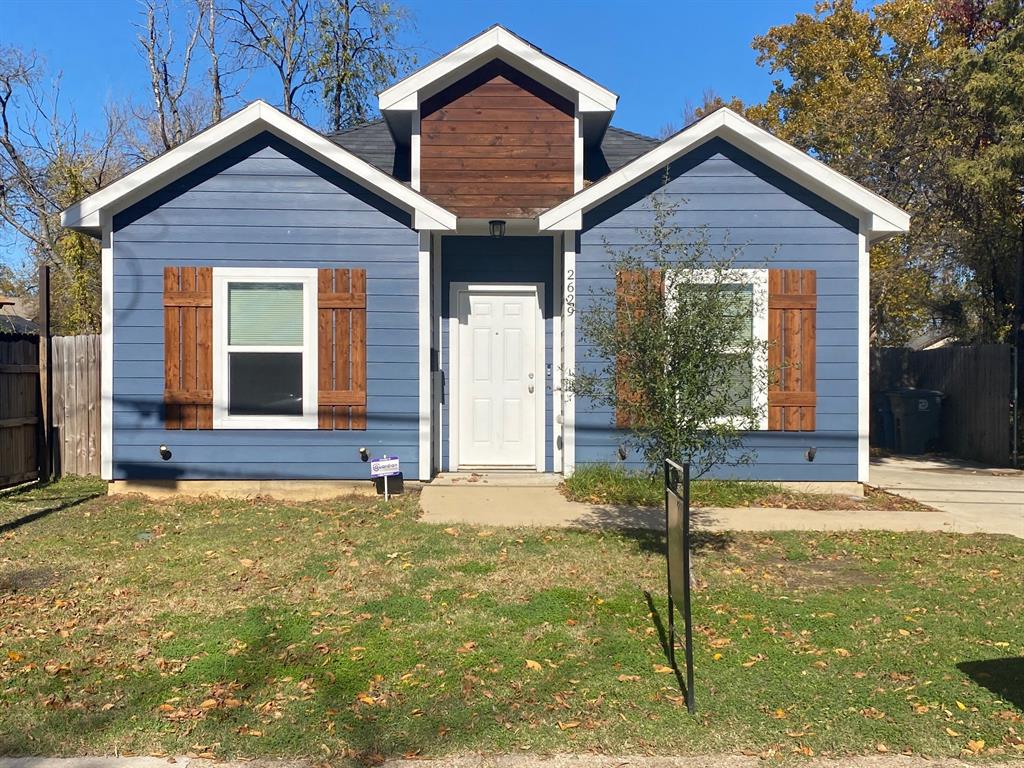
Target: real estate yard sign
385,466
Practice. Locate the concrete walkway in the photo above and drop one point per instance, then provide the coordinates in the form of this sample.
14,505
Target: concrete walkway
974,497
507,502
496,761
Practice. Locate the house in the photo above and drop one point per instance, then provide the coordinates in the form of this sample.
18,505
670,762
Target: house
276,300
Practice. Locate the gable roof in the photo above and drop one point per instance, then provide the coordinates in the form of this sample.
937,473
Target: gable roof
881,217
496,42
594,103
256,118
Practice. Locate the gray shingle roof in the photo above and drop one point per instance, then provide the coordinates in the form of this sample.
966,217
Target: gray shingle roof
373,143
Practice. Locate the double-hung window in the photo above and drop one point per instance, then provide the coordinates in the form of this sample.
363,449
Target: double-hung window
264,348
748,291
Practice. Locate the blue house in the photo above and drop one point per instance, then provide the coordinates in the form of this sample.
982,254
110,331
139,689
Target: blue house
278,303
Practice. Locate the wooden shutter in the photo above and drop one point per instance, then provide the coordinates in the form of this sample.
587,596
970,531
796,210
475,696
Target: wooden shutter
792,306
188,347
341,351
627,284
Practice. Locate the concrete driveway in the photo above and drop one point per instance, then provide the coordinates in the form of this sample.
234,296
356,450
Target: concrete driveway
973,498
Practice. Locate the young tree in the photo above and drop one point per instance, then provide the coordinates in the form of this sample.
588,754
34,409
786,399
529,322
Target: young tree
673,350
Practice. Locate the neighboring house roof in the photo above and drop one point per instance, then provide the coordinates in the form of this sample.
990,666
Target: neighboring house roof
254,119
16,313
374,143
881,218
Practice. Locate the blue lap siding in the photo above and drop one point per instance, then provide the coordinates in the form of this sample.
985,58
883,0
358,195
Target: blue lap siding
263,204
491,260
774,223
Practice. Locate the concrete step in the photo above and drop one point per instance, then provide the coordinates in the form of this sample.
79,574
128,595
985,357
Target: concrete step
498,478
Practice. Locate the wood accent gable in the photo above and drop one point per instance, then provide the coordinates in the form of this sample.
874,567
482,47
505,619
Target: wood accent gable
792,336
497,144
188,347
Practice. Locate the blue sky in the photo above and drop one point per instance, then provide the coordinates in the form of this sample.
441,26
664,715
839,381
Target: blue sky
655,55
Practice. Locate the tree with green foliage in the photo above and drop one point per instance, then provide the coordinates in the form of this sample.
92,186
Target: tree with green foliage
896,97
673,348
46,164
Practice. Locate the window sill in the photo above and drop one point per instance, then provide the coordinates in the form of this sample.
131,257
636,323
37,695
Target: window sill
306,421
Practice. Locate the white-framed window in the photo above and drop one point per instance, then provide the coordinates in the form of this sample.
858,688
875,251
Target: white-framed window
750,287
264,348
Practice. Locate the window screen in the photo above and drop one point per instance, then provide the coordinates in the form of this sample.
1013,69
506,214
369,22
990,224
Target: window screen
265,349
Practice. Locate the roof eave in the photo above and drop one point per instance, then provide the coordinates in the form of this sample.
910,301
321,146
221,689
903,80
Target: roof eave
86,215
496,42
885,219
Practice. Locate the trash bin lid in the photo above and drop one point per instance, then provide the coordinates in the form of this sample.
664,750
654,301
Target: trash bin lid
911,392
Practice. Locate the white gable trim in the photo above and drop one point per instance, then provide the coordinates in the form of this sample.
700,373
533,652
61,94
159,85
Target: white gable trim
244,124
885,217
497,42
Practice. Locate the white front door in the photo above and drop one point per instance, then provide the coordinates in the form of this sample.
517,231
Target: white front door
500,385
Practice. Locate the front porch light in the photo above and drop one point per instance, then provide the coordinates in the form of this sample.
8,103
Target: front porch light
497,228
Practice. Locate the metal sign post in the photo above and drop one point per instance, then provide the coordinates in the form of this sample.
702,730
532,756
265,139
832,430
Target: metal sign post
385,467
677,532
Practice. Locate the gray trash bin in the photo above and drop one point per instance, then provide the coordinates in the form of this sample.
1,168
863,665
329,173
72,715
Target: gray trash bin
916,414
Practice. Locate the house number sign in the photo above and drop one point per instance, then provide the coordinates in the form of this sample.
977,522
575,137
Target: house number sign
570,292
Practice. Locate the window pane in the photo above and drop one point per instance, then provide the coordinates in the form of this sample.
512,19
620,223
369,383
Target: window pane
739,384
265,383
265,314
741,302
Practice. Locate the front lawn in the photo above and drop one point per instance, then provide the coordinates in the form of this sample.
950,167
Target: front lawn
349,629
605,484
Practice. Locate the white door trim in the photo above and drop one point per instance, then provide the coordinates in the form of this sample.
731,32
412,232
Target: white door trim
536,289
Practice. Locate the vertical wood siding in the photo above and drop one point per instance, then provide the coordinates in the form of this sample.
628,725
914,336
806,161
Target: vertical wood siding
490,260
496,144
774,223
263,204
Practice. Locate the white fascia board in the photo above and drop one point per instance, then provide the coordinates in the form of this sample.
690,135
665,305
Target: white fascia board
248,122
499,43
772,151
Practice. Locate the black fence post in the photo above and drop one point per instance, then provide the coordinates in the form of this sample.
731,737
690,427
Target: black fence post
45,356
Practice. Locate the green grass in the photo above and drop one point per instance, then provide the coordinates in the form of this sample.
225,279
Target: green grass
349,630
607,484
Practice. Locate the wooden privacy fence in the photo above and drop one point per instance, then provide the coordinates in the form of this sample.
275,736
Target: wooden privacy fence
75,368
19,408
977,411
76,404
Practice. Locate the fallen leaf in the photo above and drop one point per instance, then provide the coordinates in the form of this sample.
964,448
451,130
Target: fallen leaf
880,747
628,678
534,665
452,531
568,725
951,732
661,669
976,745
246,562
208,704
